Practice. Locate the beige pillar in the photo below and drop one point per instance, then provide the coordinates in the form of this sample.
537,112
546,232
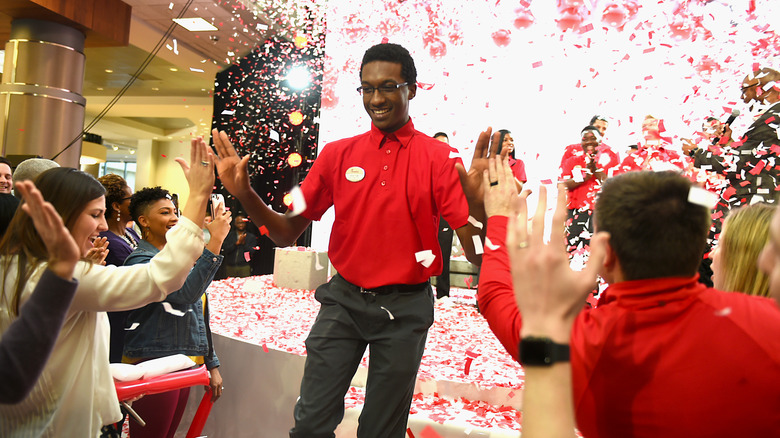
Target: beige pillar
41,106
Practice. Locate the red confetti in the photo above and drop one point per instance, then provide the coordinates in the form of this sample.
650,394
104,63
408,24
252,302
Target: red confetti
429,432
409,432
536,64
263,230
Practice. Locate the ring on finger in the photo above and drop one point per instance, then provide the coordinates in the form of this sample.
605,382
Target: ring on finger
493,183
522,245
204,163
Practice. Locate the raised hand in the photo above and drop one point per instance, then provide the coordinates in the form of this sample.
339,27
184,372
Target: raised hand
232,169
549,293
200,170
498,185
60,245
99,251
471,181
220,225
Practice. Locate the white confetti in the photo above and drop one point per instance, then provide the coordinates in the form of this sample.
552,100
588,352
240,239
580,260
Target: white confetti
425,257
475,222
274,135
228,112
726,311
168,308
478,249
197,70
175,46
699,196
133,326
298,201
454,154
490,245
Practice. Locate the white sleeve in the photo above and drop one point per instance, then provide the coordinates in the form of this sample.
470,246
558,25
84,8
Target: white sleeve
114,288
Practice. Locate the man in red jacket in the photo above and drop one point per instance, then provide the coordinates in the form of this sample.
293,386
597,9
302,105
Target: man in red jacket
662,355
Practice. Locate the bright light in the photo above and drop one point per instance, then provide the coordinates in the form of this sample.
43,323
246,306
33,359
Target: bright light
299,78
294,159
195,24
296,118
301,41
287,200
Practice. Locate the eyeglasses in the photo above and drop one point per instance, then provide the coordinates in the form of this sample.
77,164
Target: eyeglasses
384,89
126,198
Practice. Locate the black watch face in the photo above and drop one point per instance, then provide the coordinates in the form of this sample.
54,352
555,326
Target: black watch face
535,352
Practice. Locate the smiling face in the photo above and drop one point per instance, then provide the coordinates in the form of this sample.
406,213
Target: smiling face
159,217
388,110
89,224
508,143
6,182
589,142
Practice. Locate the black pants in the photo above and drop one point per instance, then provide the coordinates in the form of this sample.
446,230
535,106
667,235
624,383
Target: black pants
394,326
579,228
445,242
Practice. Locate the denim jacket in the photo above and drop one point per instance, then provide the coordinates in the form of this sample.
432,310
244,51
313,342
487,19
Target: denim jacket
152,331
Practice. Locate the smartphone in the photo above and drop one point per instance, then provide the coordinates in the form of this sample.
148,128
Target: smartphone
216,199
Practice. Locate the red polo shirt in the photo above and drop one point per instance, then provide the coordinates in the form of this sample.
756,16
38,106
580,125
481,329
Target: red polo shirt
658,358
388,191
584,195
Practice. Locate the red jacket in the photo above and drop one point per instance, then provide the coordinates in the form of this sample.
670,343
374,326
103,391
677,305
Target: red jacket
658,358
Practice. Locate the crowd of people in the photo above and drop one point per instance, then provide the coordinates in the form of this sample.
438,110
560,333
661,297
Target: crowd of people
659,354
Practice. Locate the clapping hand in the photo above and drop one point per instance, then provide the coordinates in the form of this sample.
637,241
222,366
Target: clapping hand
99,251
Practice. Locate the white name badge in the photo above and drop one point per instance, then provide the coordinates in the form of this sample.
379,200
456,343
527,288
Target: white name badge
355,174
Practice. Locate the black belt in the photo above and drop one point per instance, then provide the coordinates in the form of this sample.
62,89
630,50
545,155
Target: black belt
390,288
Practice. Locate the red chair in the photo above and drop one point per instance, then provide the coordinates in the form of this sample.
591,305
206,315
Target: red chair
168,382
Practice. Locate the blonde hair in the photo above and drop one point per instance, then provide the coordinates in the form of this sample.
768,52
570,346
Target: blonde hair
744,235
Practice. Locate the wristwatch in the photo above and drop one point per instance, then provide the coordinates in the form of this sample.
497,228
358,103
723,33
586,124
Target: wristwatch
544,352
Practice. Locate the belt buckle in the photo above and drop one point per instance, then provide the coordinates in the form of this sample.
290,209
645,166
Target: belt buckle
367,291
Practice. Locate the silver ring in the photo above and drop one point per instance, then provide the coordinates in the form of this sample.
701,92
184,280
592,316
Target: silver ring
493,183
204,163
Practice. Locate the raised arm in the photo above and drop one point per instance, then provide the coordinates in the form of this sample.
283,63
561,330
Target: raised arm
471,182
283,229
550,296
29,340
111,288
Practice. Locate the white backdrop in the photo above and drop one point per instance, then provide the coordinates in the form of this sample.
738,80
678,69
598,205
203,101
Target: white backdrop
680,61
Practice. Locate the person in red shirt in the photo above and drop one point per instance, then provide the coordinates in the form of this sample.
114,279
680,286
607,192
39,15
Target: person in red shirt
655,152
388,187
601,123
507,143
583,173
661,355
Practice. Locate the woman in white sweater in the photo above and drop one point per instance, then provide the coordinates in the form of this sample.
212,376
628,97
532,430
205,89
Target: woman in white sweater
75,395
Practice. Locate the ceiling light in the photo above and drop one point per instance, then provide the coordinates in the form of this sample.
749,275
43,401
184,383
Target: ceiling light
132,151
195,24
299,78
108,70
173,69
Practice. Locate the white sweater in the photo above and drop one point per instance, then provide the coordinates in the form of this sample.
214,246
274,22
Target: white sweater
75,395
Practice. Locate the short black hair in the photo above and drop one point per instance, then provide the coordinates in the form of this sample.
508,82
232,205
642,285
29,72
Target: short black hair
5,161
597,117
654,230
590,128
392,53
145,197
441,134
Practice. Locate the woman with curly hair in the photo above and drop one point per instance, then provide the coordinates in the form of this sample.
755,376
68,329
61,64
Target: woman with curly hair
122,240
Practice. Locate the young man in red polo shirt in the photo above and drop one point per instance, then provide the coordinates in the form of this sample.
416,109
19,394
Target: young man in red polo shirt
388,187
583,174
661,355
